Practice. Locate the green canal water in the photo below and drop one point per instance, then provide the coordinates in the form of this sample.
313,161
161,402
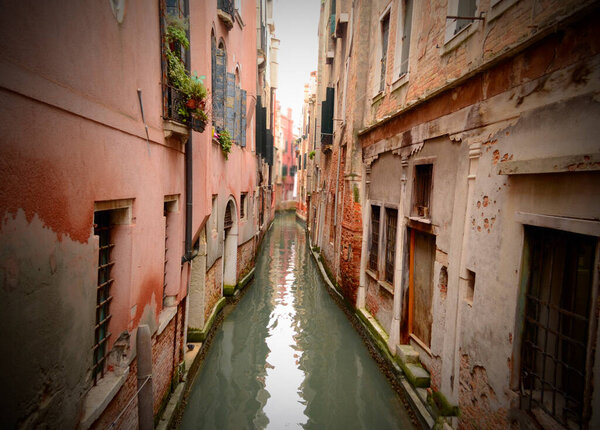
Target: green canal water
287,357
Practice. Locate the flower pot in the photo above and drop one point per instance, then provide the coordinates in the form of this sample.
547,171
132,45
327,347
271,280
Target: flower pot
198,124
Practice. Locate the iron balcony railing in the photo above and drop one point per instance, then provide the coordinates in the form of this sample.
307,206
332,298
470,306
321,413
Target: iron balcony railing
173,102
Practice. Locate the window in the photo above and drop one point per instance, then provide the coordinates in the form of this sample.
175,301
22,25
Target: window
466,8
284,170
331,218
219,83
403,32
554,350
374,248
169,206
422,190
243,200
390,243
102,229
385,31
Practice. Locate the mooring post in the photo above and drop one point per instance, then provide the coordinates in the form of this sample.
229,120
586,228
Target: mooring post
144,378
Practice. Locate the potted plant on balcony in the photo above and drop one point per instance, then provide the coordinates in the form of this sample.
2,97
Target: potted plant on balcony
191,98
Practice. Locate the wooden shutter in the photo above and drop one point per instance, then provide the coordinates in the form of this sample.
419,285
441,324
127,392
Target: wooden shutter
243,119
230,104
219,90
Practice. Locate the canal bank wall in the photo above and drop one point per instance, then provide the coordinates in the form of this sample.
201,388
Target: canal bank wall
375,338
197,348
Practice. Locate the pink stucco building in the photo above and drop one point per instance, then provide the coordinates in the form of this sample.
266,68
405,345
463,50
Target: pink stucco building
114,213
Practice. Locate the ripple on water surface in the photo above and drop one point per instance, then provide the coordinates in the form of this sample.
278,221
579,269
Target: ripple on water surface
287,357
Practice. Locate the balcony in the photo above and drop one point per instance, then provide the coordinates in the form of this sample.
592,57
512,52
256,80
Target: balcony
174,125
225,12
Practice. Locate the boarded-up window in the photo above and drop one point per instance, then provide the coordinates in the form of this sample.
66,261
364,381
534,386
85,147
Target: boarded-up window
390,243
422,249
374,246
554,351
422,190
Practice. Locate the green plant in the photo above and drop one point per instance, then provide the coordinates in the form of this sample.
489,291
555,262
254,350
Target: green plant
190,85
311,154
225,142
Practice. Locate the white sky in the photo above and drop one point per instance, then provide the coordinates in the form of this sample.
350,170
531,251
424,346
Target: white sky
296,23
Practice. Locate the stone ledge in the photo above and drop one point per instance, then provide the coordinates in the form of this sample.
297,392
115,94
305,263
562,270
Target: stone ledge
416,375
165,317
98,398
407,354
373,326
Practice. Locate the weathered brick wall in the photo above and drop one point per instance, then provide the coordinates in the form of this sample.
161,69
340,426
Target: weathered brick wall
477,400
129,419
245,258
430,68
213,287
351,243
380,303
166,356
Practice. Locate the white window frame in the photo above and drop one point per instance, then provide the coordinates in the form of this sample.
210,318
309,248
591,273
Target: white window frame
401,79
451,40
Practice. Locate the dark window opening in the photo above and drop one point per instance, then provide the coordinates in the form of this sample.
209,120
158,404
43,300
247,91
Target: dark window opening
390,243
385,31
554,349
243,205
374,248
422,190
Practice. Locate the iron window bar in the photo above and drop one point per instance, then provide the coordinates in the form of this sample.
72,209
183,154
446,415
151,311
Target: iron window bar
471,18
392,218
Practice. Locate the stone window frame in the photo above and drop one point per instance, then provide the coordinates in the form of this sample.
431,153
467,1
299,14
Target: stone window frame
102,393
379,274
421,162
376,93
560,224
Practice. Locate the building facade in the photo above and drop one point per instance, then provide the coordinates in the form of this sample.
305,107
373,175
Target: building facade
464,136
122,227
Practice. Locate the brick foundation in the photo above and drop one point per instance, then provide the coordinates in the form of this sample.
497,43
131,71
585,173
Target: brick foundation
213,287
245,258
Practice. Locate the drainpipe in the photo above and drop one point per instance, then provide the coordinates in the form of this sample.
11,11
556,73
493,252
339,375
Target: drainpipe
188,168
188,201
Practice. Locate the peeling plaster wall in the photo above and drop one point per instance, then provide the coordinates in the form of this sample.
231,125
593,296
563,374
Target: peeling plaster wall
47,325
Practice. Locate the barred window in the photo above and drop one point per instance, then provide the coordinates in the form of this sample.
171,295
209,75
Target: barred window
102,229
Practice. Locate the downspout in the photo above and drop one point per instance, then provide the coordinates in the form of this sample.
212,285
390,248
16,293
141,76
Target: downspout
188,167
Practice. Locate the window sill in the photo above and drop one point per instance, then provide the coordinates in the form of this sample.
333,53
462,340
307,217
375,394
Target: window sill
387,286
371,274
420,219
400,82
377,97
457,39
165,317
98,398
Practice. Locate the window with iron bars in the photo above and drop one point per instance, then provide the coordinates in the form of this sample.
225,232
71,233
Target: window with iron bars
391,216
374,248
102,229
554,350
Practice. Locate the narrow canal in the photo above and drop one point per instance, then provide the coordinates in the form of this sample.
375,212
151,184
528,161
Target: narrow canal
287,357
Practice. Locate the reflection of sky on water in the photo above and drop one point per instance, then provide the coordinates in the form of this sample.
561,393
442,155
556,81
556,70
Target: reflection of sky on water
287,357
285,406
